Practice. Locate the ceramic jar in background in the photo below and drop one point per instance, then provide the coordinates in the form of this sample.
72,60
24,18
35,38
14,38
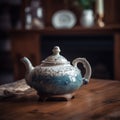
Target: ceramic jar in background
87,18
34,15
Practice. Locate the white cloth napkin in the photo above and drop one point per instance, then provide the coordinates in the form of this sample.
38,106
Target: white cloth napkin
14,87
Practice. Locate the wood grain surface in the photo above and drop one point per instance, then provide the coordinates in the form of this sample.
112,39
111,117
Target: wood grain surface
99,100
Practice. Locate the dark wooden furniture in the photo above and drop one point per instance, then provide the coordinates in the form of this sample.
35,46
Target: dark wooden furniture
99,100
28,43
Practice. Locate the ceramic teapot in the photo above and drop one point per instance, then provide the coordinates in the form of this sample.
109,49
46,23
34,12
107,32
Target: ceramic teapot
55,76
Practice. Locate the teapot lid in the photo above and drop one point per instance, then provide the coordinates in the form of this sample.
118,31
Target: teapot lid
55,58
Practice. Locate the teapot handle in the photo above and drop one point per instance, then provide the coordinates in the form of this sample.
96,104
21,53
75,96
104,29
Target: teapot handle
87,67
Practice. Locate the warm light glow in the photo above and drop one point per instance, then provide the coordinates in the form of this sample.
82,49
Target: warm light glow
100,12
100,7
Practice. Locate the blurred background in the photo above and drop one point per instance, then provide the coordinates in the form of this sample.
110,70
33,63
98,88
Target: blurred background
82,28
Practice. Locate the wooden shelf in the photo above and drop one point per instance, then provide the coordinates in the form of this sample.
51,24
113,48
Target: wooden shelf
76,30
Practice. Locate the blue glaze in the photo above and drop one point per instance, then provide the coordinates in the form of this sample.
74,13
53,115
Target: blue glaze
56,84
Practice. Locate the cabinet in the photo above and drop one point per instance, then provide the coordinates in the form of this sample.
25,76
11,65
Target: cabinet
29,42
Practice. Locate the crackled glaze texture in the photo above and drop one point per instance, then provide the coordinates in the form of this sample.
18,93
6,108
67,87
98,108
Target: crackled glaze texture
59,70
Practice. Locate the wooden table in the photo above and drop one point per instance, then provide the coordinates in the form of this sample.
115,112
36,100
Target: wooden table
99,100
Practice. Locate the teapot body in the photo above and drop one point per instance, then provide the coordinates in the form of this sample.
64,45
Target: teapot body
55,80
56,76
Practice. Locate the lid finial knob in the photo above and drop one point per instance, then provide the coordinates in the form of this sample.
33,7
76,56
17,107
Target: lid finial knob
56,50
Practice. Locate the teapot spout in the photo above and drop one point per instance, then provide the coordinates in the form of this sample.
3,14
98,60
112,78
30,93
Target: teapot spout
28,65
